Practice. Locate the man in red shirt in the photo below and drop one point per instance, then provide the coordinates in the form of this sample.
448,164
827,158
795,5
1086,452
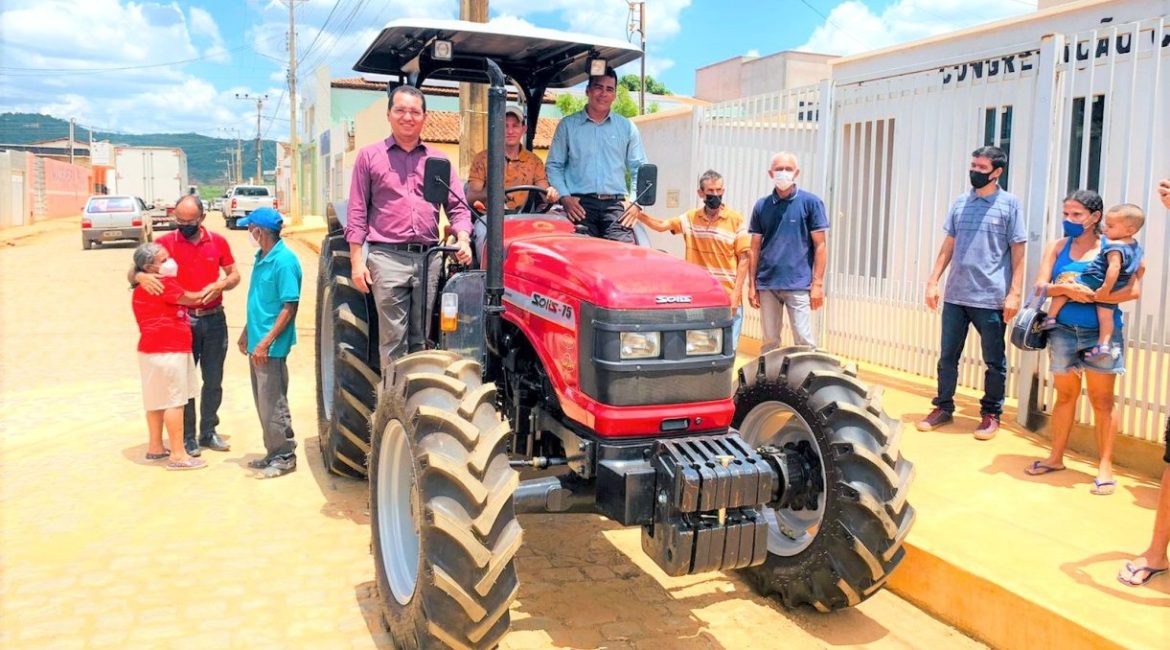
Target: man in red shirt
206,265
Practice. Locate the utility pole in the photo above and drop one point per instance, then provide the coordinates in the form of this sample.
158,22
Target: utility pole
239,155
294,204
640,28
72,124
472,98
259,106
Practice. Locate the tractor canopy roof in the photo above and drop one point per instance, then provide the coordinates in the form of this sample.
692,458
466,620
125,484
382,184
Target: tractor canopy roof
534,58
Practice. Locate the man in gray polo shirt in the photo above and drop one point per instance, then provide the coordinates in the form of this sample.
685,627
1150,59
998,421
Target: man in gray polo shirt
984,247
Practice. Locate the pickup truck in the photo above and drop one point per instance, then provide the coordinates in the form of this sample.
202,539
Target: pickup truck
244,199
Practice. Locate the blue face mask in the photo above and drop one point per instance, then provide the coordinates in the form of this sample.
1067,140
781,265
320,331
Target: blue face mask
1072,229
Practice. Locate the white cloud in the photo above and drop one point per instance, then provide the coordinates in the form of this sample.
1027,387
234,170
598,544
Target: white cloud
852,27
753,53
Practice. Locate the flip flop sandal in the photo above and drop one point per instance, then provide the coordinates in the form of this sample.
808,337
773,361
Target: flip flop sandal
1038,468
1131,580
190,463
1103,488
166,453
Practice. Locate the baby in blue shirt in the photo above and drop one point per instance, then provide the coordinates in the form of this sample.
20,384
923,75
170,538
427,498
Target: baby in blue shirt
1112,269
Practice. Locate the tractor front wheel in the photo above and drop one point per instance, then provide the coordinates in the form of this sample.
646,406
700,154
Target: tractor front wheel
445,532
836,544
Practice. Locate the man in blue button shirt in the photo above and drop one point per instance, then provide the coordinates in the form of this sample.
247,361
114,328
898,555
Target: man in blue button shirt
274,292
789,254
984,248
590,154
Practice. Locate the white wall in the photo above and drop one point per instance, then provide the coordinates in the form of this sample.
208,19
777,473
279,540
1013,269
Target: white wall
669,142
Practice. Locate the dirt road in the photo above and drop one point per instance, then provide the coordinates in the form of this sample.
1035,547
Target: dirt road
101,549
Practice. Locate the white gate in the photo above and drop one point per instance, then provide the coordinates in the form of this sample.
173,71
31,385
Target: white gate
1112,124
902,147
889,156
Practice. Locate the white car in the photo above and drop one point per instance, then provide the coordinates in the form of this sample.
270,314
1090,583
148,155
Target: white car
115,218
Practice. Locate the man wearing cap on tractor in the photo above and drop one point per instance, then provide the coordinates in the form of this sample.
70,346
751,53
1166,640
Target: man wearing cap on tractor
521,166
387,210
274,292
591,153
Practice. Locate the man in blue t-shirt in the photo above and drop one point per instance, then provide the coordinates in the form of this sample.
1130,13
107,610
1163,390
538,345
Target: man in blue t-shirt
274,292
786,267
984,247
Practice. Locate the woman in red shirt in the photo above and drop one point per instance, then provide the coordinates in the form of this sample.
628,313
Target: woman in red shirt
164,356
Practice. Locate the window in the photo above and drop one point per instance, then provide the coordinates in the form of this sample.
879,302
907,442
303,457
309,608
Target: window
1077,142
866,195
251,191
1001,138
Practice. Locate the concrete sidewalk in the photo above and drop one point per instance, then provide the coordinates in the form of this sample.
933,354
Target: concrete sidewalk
1013,560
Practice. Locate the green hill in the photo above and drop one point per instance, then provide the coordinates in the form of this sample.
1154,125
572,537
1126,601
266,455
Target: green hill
203,153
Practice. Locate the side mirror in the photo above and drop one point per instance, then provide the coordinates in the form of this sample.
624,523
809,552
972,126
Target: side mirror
436,180
646,189
149,206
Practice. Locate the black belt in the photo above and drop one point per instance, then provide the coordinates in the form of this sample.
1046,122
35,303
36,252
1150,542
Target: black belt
200,313
407,248
602,197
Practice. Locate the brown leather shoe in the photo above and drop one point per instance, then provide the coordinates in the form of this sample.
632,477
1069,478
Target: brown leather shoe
936,419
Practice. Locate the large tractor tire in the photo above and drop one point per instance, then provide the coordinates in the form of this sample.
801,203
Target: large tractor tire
841,551
347,364
444,530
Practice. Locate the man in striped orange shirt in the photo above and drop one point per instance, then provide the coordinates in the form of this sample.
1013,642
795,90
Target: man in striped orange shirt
716,238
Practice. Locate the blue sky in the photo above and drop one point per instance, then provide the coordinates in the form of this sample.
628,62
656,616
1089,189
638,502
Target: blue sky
156,66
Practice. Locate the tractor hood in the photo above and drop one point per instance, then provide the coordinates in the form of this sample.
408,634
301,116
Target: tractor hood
611,274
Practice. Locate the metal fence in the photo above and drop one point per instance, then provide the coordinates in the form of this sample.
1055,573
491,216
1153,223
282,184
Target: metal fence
890,155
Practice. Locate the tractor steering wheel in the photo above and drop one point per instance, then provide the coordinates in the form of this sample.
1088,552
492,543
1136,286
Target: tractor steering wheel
531,205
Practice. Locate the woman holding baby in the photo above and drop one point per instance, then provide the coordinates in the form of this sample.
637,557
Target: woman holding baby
1077,353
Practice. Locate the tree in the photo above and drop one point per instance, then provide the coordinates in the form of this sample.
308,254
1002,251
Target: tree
568,104
633,83
625,105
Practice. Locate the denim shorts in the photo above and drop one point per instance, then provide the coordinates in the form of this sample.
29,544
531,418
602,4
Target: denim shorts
1068,344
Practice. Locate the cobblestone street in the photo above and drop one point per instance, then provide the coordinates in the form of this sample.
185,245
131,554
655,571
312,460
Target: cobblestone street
100,549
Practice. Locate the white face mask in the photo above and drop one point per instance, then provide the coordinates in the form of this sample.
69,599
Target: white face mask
169,268
252,239
783,180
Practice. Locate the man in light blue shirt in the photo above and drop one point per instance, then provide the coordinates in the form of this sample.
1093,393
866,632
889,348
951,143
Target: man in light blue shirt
591,153
984,248
274,292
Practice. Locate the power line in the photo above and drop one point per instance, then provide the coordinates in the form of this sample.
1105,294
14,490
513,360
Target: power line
834,24
320,31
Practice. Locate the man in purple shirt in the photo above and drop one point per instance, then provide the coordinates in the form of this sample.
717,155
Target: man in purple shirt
387,210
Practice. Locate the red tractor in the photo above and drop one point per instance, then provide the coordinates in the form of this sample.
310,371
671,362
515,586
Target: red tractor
606,372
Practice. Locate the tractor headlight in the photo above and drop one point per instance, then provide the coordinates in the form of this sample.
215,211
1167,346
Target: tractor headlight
701,342
641,345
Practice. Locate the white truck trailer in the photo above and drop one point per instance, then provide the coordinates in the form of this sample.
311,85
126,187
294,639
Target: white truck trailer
158,175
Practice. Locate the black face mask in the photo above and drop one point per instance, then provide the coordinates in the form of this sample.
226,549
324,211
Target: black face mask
979,180
189,230
712,201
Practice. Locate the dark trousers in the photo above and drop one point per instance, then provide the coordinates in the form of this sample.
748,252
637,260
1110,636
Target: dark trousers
991,327
270,391
209,347
603,219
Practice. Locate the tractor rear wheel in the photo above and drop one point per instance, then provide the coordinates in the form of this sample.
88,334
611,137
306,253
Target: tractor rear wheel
838,546
444,530
347,365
